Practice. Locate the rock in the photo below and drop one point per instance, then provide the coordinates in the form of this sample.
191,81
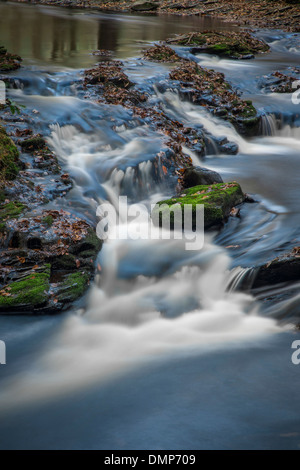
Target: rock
160,53
9,157
230,44
29,292
285,268
8,61
108,73
72,287
65,244
229,148
35,142
47,256
218,200
210,90
195,176
145,6
280,82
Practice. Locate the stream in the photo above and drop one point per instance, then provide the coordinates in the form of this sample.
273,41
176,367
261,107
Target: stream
162,352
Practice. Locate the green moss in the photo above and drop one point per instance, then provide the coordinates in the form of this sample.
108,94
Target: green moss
9,157
48,220
31,291
11,210
73,286
217,199
220,49
33,143
228,44
249,110
90,243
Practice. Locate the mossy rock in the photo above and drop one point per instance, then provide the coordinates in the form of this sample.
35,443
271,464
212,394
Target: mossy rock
208,88
64,263
90,243
11,210
33,143
217,199
231,44
160,53
8,61
27,293
73,286
9,157
48,220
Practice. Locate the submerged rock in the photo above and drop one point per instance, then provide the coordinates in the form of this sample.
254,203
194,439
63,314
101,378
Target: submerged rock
217,199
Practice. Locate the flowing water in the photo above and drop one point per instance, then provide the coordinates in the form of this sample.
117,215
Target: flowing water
163,352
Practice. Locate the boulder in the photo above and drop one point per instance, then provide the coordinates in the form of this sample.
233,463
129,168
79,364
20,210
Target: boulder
285,268
217,199
195,176
47,258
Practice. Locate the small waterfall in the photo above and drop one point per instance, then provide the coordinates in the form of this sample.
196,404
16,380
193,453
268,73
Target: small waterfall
198,117
145,175
241,279
290,132
268,125
135,318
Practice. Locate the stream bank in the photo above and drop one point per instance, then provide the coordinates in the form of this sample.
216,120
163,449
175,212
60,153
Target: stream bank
263,14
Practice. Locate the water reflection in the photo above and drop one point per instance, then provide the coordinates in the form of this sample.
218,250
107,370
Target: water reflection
42,34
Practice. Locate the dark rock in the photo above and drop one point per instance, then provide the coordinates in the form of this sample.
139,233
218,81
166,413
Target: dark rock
197,175
35,142
285,268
